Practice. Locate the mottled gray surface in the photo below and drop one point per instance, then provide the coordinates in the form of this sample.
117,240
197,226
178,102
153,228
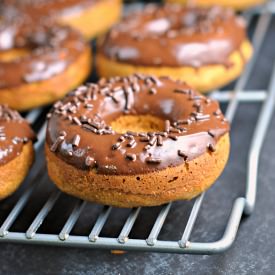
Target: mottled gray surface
252,253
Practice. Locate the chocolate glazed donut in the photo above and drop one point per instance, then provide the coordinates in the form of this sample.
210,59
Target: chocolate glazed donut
94,153
39,63
16,150
90,17
206,47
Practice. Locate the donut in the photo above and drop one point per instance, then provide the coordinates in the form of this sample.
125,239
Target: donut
90,17
39,63
235,4
136,141
16,150
206,47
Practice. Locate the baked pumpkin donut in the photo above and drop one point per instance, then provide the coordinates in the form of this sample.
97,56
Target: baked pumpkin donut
235,4
206,47
39,63
16,150
136,141
90,17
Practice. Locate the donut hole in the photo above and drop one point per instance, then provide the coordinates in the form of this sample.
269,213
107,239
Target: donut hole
137,123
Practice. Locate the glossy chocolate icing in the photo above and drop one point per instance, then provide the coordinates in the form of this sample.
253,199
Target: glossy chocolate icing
14,133
79,129
51,48
173,35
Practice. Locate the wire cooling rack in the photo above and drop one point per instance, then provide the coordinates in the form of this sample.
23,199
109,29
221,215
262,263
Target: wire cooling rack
43,203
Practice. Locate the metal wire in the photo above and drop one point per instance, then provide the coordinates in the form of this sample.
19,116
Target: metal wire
256,145
21,203
152,239
94,235
42,214
123,236
79,206
191,221
241,205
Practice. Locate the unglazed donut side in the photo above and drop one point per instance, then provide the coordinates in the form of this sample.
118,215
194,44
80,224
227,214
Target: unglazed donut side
182,182
14,172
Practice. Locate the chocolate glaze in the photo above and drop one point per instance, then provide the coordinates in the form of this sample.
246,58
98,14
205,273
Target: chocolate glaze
51,48
173,35
14,133
79,129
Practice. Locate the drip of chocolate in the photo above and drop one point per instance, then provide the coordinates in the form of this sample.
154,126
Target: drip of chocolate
14,133
187,132
173,35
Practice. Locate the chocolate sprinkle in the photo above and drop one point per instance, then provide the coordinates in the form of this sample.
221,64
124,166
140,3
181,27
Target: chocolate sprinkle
181,91
57,142
131,157
211,133
89,161
116,146
167,126
152,91
173,137
144,139
90,128
159,141
77,121
211,148
152,160
63,133
153,141
76,141
202,117
131,143
182,154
